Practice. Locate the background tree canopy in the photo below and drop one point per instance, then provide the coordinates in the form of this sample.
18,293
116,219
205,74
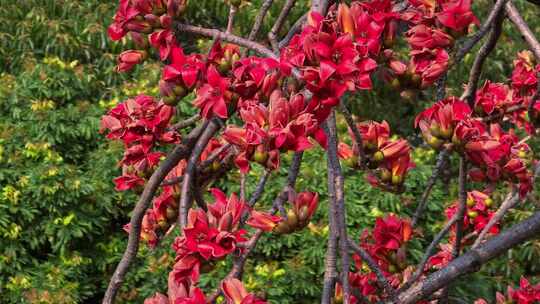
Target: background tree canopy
61,220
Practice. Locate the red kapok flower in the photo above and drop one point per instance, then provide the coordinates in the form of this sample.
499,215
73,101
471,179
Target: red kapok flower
213,96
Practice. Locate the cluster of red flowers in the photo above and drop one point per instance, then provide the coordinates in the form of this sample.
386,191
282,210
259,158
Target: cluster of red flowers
389,159
148,22
496,154
284,125
333,54
434,26
303,207
524,82
386,245
141,124
208,236
525,294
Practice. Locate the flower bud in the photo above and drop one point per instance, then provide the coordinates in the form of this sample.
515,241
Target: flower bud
292,219
260,155
378,156
472,214
397,179
140,41
282,228
171,213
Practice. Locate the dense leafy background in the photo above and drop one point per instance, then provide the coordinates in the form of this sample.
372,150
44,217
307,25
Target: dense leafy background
60,219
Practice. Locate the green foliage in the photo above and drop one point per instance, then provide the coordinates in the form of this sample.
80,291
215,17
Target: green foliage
61,220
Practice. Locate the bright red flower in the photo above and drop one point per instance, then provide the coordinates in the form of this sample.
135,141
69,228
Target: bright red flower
125,14
213,96
163,41
457,15
429,64
126,182
492,97
183,70
391,232
422,36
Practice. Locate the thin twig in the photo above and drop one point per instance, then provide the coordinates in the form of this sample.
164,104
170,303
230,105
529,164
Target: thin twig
186,123
242,187
230,22
259,19
256,195
441,161
213,156
295,28
358,143
429,252
484,28
460,214
524,29
483,53
509,202
382,282
238,264
272,35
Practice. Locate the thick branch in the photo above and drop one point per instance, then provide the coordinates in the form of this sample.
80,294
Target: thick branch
337,195
181,151
473,260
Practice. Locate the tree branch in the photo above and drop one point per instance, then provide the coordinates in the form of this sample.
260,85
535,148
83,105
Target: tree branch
472,260
358,146
185,196
526,32
483,53
335,175
257,47
471,42
511,200
181,151
382,282
272,35
186,123
259,19
441,161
